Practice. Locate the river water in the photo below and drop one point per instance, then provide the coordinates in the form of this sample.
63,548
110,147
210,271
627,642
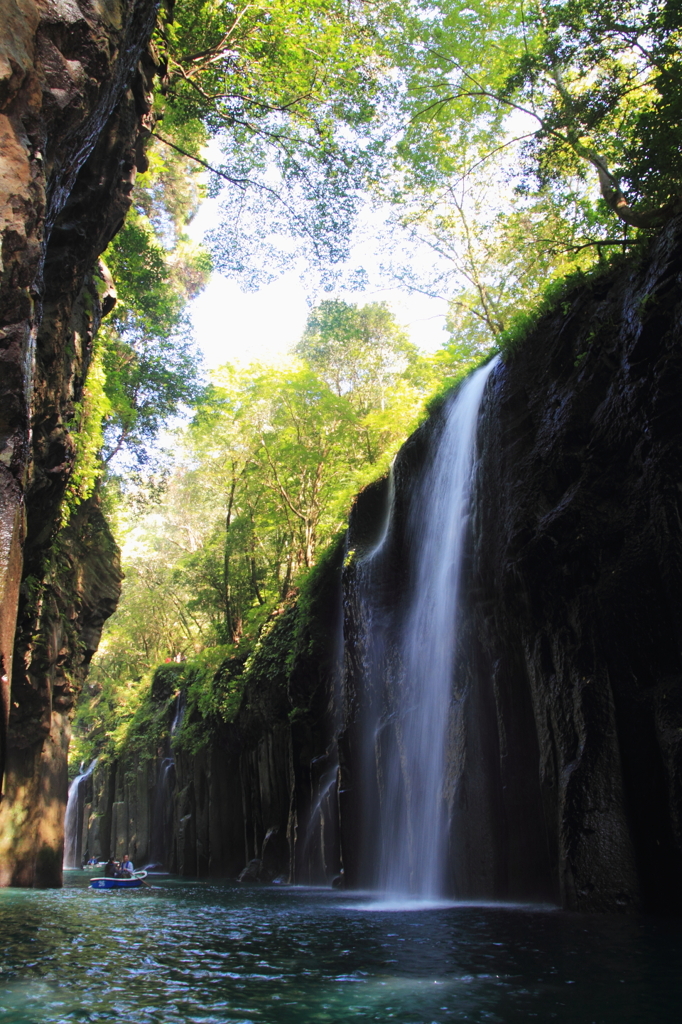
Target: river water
220,954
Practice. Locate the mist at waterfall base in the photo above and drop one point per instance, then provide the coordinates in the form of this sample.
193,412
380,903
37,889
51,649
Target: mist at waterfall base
206,953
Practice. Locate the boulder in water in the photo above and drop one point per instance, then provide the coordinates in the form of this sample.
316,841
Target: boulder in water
251,875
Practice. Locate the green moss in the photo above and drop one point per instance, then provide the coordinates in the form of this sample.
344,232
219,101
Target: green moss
166,680
254,679
559,296
87,432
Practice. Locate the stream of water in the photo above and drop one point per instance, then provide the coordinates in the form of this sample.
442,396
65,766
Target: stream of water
409,654
73,821
206,953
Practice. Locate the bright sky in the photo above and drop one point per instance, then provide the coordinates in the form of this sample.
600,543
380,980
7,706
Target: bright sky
236,326
232,325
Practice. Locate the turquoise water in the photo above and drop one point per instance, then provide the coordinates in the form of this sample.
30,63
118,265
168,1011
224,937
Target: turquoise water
220,954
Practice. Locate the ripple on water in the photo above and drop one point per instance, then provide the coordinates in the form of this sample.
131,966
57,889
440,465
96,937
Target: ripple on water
219,954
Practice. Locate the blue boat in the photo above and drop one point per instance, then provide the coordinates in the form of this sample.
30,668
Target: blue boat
118,883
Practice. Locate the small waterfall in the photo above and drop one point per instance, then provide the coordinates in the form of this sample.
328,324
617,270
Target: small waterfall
162,814
408,664
161,837
388,510
73,819
319,853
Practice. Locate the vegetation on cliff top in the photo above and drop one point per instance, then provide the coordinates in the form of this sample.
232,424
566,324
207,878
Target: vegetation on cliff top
134,716
264,476
517,142
512,139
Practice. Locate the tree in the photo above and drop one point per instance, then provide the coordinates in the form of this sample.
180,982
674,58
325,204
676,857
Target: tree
359,352
365,357
496,252
149,357
290,91
579,82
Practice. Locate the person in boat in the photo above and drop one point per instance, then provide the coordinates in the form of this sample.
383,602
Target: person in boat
126,867
110,868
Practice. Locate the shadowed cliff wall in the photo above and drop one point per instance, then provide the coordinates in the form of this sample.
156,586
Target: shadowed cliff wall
78,592
240,791
576,577
75,107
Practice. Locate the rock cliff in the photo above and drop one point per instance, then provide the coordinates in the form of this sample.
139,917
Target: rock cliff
78,591
576,634
564,771
564,762
206,798
75,108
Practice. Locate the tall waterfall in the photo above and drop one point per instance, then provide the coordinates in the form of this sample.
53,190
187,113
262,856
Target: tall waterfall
73,820
409,664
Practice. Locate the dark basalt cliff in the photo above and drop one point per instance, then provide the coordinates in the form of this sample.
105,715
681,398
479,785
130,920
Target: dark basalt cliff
576,636
78,591
564,769
564,764
74,111
244,791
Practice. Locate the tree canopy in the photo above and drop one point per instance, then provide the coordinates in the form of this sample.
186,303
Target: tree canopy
514,142
566,113
576,81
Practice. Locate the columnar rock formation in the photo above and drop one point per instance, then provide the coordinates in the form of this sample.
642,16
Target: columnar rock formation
75,108
575,664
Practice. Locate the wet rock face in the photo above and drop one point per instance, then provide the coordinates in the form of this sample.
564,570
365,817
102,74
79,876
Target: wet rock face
563,774
576,636
79,592
258,789
578,579
74,110
564,761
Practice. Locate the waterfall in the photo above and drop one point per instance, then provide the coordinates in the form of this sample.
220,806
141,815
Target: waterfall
317,861
161,837
73,819
408,661
162,821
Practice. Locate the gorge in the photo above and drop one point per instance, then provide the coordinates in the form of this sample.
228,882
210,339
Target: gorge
75,109
543,598
561,769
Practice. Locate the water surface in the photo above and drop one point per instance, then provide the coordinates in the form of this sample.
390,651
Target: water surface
221,954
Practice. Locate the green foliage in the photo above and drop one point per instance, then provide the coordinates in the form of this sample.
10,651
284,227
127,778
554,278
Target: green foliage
256,677
145,366
505,134
578,83
150,360
527,145
87,427
290,90
315,606
267,470
104,714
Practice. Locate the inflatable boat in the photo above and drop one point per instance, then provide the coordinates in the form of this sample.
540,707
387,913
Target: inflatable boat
119,883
